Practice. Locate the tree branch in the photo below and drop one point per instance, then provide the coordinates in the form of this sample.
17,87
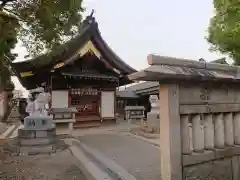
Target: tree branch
16,15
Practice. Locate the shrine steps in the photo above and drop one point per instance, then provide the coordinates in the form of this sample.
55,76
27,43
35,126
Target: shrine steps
87,122
87,118
108,121
92,121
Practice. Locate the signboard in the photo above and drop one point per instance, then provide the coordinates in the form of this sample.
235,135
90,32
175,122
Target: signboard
58,65
25,74
84,91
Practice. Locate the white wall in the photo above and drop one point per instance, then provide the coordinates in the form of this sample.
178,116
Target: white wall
107,104
60,99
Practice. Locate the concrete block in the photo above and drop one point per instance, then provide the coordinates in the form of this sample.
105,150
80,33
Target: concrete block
38,122
24,151
41,134
36,142
23,133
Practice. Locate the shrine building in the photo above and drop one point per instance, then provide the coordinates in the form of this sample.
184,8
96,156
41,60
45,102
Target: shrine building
82,73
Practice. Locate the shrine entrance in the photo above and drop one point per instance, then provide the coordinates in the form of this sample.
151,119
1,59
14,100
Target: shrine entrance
87,102
84,73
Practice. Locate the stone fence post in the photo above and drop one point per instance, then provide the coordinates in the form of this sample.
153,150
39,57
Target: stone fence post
170,132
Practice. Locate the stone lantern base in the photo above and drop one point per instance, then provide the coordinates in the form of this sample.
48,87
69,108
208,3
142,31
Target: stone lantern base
38,136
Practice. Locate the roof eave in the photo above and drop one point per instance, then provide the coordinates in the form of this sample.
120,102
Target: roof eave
109,53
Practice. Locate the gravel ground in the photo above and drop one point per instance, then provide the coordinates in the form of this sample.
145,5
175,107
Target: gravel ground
58,166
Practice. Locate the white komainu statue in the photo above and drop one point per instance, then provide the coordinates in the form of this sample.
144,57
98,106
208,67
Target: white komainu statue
30,109
40,105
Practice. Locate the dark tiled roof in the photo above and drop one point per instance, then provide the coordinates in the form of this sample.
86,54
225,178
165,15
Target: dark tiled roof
142,86
139,89
220,61
126,94
88,31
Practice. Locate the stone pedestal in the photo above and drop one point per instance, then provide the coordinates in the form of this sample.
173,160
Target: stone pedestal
134,114
153,120
38,135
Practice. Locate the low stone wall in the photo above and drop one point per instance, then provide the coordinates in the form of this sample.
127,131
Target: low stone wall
219,164
200,118
210,122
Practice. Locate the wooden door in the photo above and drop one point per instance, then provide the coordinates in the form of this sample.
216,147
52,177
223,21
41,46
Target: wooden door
90,107
87,107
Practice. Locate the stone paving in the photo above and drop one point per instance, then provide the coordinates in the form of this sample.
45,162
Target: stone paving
138,157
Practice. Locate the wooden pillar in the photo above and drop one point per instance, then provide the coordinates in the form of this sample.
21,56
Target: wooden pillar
170,133
208,132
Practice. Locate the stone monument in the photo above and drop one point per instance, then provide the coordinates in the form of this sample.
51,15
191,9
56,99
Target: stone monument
38,134
153,121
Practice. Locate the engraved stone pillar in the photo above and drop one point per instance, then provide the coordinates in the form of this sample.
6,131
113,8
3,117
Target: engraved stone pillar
35,122
208,132
237,128
198,134
219,131
170,133
185,134
153,115
228,129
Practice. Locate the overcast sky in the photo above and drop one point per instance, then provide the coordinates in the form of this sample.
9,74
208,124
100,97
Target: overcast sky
135,28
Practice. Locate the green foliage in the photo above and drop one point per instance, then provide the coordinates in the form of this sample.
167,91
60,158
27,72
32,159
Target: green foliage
41,25
224,28
8,31
47,23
